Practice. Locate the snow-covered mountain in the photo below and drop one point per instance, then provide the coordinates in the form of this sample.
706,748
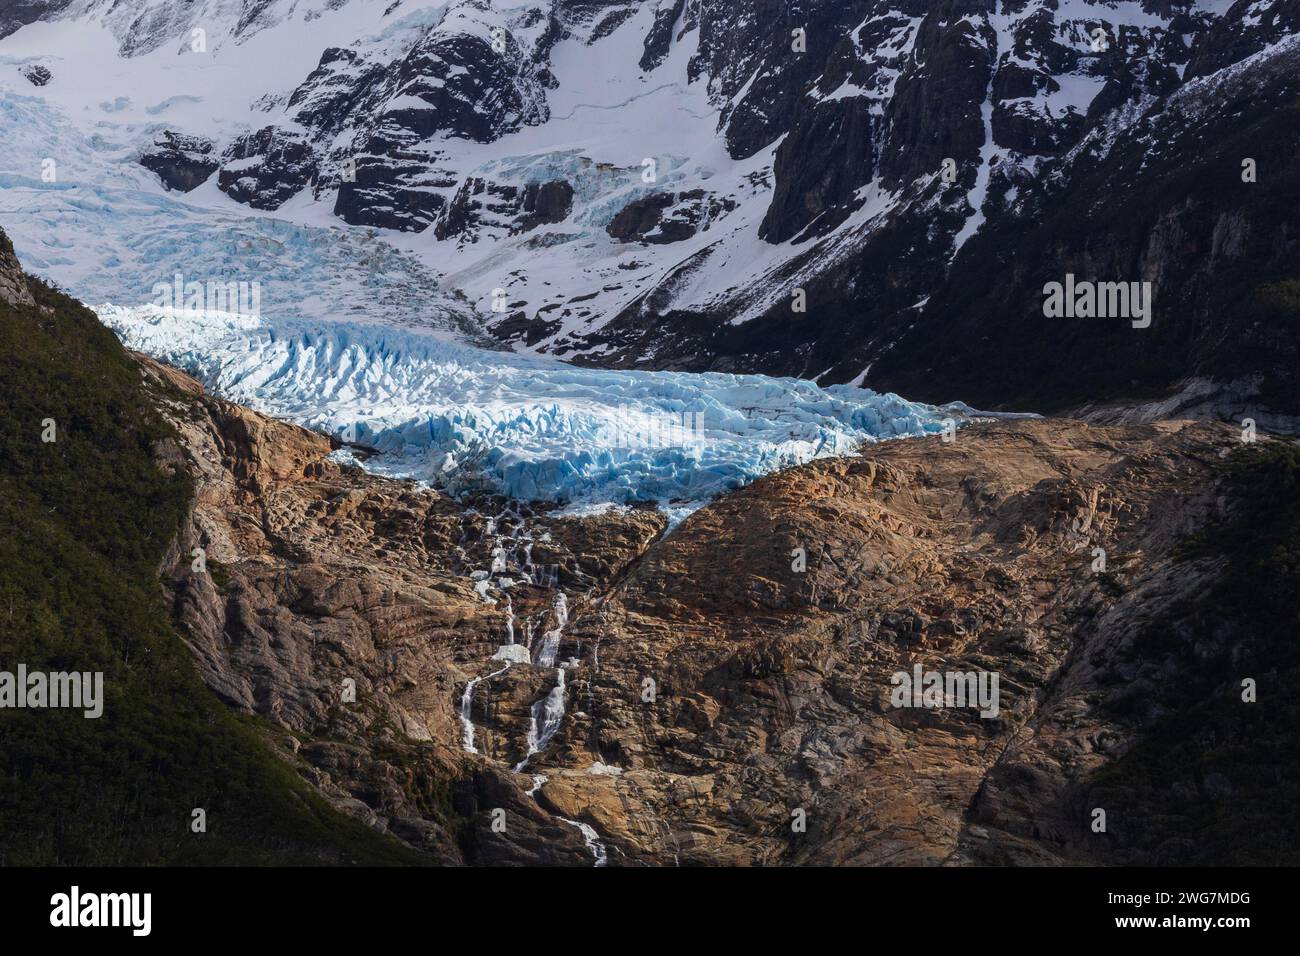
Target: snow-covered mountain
330,323
706,184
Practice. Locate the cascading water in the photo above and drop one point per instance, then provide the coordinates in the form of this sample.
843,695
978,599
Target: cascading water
546,716
592,839
466,710
551,639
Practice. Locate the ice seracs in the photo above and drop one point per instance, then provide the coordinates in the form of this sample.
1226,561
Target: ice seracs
529,427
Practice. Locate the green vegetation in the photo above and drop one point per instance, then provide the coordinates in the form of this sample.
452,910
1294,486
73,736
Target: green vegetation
87,520
1215,778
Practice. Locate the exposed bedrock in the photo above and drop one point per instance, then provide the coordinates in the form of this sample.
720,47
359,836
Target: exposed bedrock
722,680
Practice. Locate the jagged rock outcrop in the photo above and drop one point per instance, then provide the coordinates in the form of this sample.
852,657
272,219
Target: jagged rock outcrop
21,12
13,286
182,162
265,168
546,203
37,75
391,194
1017,147
1244,31
819,167
479,204
1194,198
663,217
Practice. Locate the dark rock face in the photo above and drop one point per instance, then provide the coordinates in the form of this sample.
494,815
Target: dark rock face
461,86
475,201
1243,31
456,83
19,13
819,166
382,180
519,328
937,89
471,82
480,203
265,168
331,95
935,111
1167,199
547,203
640,217
750,49
389,194
37,75
1086,149
181,162
659,38
663,217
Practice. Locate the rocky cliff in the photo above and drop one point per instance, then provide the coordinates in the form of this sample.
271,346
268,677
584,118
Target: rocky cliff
722,693
13,286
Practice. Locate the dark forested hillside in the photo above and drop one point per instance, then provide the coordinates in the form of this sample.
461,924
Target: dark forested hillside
87,519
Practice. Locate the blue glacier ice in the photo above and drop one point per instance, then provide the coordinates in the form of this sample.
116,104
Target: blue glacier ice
529,427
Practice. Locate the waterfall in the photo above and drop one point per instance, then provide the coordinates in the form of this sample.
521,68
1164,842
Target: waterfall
551,639
592,839
546,716
466,705
550,646
545,719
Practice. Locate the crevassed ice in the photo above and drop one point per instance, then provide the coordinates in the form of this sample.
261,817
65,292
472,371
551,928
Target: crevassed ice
531,428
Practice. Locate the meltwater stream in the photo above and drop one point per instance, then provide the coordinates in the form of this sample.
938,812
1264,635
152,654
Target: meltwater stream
551,639
466,707
511,565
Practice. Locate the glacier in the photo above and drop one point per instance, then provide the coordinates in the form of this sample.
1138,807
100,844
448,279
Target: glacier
361,338
529,427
